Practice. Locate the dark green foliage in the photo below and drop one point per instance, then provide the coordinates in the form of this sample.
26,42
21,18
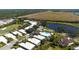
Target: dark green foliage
2,44
8,39
12,13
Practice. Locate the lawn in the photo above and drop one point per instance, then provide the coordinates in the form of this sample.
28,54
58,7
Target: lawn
9,28
16,46
2,44
13,27
56,48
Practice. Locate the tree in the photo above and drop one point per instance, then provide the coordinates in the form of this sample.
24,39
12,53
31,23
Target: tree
21,38
56,37
44,46
43,23
9,40
2,44
18,21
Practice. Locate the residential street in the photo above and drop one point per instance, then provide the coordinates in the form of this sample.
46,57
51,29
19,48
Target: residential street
8,46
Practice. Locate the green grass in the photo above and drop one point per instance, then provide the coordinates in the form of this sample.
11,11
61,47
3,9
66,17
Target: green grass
56,48
9,28
16,46
2,44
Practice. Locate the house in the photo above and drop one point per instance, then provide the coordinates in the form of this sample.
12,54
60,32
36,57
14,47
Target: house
27,28
22,31
17,33
39,37
27,45
9,35
19,49
46,34
34,40
3,39
32,24
66,41
41,28
12,49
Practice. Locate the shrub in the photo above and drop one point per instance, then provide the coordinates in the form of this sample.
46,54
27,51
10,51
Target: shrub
2,44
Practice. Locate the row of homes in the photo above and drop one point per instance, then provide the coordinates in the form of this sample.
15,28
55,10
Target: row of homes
32,41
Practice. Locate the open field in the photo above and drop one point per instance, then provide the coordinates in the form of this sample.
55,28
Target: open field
52,16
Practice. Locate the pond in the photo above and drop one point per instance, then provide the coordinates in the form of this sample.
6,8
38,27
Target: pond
62,27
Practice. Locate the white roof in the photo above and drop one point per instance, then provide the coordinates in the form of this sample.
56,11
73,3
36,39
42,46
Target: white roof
12,49
23,31
26,20
11,36
34,40
27,28
47,34
32,24
76,48
27,45
3,39
39,37
70,44
19,49
16,32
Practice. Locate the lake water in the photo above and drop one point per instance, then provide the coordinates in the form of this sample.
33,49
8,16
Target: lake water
60,27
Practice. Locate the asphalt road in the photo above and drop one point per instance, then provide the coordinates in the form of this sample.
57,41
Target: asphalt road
8,46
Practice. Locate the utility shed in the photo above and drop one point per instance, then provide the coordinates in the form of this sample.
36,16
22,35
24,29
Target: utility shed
27,45
34,40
